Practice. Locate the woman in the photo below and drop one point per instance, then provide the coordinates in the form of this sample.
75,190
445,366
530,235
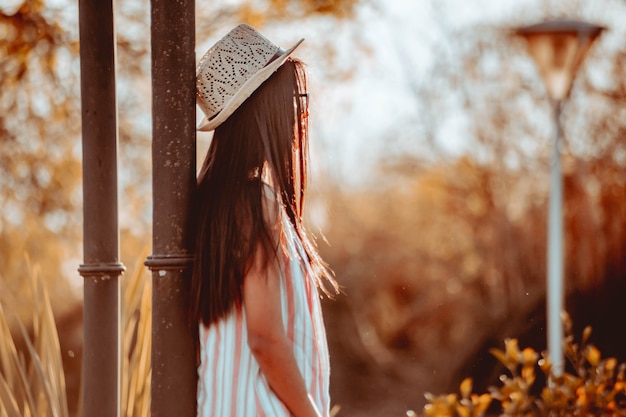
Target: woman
262,343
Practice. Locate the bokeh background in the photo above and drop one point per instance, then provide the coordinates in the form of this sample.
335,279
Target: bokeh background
431,135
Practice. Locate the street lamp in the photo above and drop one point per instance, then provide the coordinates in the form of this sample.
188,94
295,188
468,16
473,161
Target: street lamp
558,47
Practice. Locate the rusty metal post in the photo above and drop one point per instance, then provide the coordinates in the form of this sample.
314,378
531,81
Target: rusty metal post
101,267
174,182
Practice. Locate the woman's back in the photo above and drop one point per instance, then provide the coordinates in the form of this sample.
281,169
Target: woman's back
230,381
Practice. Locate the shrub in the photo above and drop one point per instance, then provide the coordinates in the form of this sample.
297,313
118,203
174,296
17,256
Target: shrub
592,387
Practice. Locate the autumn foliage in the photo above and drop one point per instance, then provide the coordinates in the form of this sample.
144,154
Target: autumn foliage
591,386
440,254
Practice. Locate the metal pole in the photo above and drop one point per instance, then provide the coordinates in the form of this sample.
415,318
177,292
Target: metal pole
174,181
555,251
101,267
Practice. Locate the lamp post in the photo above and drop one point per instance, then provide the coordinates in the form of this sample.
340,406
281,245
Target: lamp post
558,47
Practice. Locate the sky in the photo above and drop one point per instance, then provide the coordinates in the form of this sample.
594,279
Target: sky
352,118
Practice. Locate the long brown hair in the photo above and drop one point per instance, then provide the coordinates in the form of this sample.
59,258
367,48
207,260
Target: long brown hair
267,132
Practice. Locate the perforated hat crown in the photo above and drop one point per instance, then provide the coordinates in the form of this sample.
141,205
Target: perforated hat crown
232,69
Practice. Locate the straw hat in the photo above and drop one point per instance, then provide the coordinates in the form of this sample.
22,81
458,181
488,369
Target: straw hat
232,70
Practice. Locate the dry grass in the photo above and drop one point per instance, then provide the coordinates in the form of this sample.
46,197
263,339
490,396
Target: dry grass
136,322
32,382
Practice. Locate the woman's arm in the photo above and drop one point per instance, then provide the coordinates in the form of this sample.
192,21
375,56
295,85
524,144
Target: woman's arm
267,338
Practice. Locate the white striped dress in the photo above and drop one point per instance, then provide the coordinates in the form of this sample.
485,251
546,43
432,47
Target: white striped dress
230,383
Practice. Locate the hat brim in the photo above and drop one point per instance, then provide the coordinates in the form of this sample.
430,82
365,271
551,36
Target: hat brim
246,91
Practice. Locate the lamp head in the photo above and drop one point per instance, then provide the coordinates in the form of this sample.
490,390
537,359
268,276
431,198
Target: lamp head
558,47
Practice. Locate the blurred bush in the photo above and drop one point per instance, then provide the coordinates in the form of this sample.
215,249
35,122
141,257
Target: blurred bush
442,253
439,265
594,387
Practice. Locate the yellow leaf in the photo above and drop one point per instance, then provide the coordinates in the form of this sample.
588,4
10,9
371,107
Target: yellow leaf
528,374
529,356
499,355
466,387
547,396
610,365
586,334
482,403
593,355
462,411
512,350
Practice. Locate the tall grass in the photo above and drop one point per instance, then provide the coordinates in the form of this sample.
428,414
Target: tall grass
136,324
32,381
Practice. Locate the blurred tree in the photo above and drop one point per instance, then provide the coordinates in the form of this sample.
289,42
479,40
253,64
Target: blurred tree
445,255
39,154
